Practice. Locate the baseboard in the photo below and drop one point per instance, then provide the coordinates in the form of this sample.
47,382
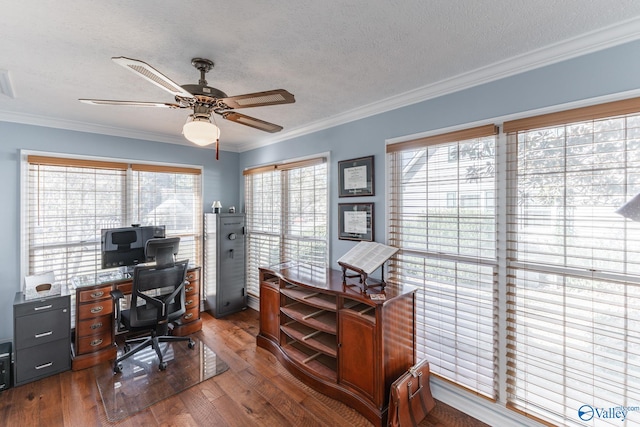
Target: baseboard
494,414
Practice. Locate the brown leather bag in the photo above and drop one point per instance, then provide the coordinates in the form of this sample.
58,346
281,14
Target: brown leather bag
410,400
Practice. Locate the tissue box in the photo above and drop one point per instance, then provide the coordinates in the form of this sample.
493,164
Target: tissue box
40,286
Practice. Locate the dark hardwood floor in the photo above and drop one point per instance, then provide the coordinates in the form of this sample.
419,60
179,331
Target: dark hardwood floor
255,391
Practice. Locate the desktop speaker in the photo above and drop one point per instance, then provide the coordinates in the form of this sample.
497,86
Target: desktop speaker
5,365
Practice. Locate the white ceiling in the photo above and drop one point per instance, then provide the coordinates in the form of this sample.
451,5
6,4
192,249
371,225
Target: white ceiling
341,59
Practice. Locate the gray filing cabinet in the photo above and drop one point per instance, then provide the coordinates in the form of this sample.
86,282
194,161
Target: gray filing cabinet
42,337
224,263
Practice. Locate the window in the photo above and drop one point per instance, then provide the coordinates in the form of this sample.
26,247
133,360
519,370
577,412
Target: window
549,257
573,308
70,200
448,251
286,215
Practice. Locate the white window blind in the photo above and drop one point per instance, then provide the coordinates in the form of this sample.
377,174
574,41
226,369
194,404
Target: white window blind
574,265
69,201
170,197
442,217
286,215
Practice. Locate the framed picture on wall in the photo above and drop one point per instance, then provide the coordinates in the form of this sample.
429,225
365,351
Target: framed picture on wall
355,221
355,177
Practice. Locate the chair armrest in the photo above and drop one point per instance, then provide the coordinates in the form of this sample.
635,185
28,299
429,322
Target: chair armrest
177,291
116,294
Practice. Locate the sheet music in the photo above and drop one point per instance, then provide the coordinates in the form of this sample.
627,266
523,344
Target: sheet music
368,256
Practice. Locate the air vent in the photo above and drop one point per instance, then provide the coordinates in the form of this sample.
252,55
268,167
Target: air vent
6,87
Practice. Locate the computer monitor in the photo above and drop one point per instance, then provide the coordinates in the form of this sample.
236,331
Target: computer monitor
125,246
162,251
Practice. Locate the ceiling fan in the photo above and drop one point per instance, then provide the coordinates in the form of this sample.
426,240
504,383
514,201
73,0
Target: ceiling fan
203,100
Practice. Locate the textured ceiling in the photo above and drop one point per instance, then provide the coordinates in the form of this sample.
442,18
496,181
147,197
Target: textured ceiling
341,59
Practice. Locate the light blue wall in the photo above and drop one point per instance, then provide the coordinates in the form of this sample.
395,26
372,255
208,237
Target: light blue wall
220,182
609,72
612,71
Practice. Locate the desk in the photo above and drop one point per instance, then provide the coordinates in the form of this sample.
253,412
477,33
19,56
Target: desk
94,338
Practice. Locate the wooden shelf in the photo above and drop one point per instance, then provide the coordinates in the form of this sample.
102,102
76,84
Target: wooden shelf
309,297
315,361
366,311
317,340
313,317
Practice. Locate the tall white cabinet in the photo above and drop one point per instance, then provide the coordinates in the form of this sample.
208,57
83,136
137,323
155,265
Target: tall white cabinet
224,263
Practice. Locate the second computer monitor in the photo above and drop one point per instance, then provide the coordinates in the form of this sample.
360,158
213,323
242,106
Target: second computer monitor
163,251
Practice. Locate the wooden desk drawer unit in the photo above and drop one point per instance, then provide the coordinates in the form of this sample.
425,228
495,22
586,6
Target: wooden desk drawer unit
94,329
190,321
42,337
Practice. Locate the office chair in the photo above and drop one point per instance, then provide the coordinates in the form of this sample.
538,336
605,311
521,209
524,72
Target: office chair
157,299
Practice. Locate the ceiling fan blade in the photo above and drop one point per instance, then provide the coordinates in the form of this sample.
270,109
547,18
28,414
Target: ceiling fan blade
152,75
259,99
130,103
252,122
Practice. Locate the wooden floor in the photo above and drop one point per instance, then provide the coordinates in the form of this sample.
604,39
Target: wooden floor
255,391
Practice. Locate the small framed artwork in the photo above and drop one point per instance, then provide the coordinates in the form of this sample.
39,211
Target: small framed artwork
355,177
355,221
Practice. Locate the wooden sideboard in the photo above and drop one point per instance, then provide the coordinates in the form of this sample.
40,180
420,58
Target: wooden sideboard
94,338
331,335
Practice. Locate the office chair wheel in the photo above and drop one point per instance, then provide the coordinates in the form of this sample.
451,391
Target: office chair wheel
163,366
191,344
117,368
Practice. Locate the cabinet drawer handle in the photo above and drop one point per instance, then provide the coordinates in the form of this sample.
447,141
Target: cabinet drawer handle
189,302
44,334
95,310
42,307
96,325
95,343
46,365
97,294
191,276
188,316
189,289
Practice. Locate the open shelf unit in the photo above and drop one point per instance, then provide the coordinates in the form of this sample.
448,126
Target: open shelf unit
333,336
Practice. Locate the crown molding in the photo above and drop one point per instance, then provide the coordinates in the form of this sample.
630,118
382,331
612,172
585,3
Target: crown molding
56,123
593,41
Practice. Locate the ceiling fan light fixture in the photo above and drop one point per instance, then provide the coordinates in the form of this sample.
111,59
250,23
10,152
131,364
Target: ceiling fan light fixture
200,130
